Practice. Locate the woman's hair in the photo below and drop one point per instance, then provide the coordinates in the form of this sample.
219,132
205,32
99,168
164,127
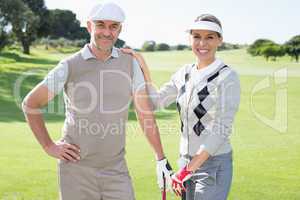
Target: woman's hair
209,18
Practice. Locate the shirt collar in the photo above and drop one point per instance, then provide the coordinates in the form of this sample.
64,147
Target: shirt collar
199,74
87,54
211,67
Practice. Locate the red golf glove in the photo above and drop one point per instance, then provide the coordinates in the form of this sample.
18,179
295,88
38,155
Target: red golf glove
178,179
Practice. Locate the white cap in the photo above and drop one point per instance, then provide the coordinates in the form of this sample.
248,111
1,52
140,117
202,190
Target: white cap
107,11
205,25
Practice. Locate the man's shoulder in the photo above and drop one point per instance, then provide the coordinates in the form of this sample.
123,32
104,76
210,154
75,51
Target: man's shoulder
75,56
122,55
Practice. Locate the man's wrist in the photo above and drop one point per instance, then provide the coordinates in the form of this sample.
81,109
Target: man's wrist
160,157
47,145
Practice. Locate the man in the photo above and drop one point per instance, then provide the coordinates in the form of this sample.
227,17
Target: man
98,82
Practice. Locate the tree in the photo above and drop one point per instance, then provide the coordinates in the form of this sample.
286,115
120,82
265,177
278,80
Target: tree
148,46
23,21
229,46
3,38
180,47
292,47
82,33
39,8
64,24
120,43
272,50
255,48
3,33
162,47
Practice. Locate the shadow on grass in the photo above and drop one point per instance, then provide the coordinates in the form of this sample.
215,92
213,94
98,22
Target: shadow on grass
22,59
11,112
10,100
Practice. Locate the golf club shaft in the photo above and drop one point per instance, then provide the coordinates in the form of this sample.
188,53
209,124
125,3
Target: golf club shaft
164,195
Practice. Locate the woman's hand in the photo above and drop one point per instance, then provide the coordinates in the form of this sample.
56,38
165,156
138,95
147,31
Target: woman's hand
132,52
178,179
138,56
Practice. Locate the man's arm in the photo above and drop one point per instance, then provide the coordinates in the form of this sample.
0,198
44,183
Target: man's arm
33,102
148,122
36,99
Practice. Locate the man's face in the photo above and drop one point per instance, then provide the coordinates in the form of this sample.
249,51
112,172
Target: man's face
104,33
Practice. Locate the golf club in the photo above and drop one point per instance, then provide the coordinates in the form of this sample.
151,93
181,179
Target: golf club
164,195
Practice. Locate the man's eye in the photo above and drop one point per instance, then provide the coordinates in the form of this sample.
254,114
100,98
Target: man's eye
100,25
114,27
210,37
196,37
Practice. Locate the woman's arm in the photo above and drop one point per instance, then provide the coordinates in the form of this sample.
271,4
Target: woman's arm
198,160
168,92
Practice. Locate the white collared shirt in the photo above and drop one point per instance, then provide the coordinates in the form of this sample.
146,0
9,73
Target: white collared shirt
198,74
57,77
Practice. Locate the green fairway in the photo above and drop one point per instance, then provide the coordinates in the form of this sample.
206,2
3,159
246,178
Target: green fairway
266,162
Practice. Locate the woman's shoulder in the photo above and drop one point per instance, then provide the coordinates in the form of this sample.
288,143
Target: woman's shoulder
182,71
180,76
228,74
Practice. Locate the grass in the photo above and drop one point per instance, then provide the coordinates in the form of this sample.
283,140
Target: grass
266,162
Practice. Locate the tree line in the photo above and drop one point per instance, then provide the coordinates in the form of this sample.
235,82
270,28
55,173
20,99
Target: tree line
270,49
151,45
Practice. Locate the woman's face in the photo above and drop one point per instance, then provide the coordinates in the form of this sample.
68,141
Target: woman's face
204,44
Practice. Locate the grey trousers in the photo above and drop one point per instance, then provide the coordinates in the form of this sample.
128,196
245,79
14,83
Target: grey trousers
212,181
79,182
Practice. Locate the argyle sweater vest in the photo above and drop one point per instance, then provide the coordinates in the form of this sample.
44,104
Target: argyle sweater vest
207,108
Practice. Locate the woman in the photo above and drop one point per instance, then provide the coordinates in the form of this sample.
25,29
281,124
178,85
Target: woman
207,94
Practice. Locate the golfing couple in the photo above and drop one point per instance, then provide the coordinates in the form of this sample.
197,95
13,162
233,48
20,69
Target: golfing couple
100,79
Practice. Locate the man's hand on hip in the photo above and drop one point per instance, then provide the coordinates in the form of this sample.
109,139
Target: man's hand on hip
63,151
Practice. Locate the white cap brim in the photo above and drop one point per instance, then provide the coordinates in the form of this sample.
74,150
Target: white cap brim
205,25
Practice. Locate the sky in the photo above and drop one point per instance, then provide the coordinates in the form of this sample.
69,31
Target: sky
166,20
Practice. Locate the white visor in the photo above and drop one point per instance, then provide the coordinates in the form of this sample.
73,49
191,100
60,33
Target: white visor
205,25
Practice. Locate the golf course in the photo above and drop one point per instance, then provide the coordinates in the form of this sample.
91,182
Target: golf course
266,150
